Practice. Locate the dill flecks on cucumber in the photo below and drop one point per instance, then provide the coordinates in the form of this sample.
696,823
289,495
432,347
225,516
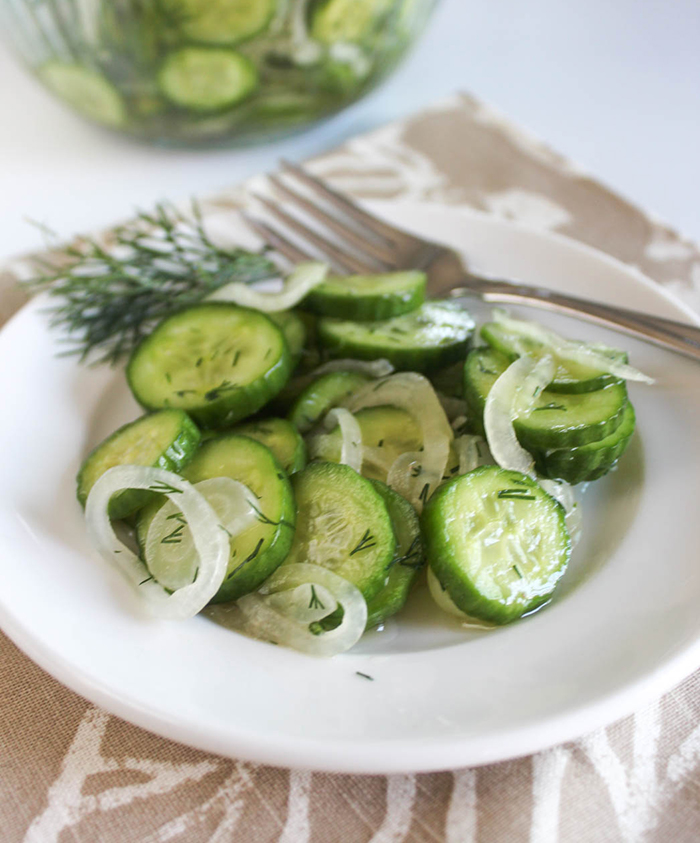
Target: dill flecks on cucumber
331,513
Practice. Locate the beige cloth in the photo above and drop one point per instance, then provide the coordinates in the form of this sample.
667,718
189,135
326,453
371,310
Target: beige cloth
70,772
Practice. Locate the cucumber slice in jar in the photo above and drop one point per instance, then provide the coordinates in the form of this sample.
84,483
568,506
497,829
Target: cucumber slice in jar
497,543
321,395
368,298
435,335
221,22
334,21
217,361
206,79
262,547
387,432
588,462
558,420
342,525
408,559
570,375
87,91
167,439
282,438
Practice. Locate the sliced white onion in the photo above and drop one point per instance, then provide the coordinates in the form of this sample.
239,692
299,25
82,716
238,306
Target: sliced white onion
454,407
373,368
351,449
169,546
415,474
445,602
512,395
467,449
564,493
210,541
588,354
276,612
297,286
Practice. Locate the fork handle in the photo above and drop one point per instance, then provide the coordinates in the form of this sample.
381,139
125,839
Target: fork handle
667,333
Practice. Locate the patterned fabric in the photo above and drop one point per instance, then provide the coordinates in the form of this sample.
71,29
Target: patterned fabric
71,772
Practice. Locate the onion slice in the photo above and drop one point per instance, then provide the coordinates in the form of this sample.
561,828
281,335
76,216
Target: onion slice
297,595
563,492
297,286
467,449
444,601
587,354
414,474
373,368
210,541
512,395
168,545
351,450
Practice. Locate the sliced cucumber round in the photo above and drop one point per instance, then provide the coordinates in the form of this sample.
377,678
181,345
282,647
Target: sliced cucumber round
321,395
260,549
435,335
217,361
167,439
86,90
367,298
497,543
342,525
408,559
334,21
558,420
294,330
206,79
220,21
282,438
588,462
387,432
570,376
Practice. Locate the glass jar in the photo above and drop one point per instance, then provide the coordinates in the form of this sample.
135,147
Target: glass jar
217,72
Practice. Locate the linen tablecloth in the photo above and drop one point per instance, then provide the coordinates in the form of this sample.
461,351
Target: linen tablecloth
71,772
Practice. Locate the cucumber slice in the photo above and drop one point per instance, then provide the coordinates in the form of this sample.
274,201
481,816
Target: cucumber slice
333,21
387,432
282,438
86,90
588,462
408,559
294,330
368,297
206,79
167,439
558,420
260,549
321,395
342,525
450,380
217,361
570,376
497,542
167,543
223,22
435,335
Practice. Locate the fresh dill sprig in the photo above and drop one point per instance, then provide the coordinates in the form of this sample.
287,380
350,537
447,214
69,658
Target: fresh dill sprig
111,296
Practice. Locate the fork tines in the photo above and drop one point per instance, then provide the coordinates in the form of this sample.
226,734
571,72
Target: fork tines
347,236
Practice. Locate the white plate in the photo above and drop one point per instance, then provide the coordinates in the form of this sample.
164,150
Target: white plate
624,625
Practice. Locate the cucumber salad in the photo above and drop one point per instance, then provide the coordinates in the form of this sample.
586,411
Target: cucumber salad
309,456
211,71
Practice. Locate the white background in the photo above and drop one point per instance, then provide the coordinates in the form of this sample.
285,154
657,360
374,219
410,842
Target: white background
614,84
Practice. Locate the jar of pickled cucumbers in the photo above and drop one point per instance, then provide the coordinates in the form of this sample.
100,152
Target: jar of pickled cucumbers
216,72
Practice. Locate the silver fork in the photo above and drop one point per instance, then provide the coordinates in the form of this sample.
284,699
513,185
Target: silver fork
363,243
